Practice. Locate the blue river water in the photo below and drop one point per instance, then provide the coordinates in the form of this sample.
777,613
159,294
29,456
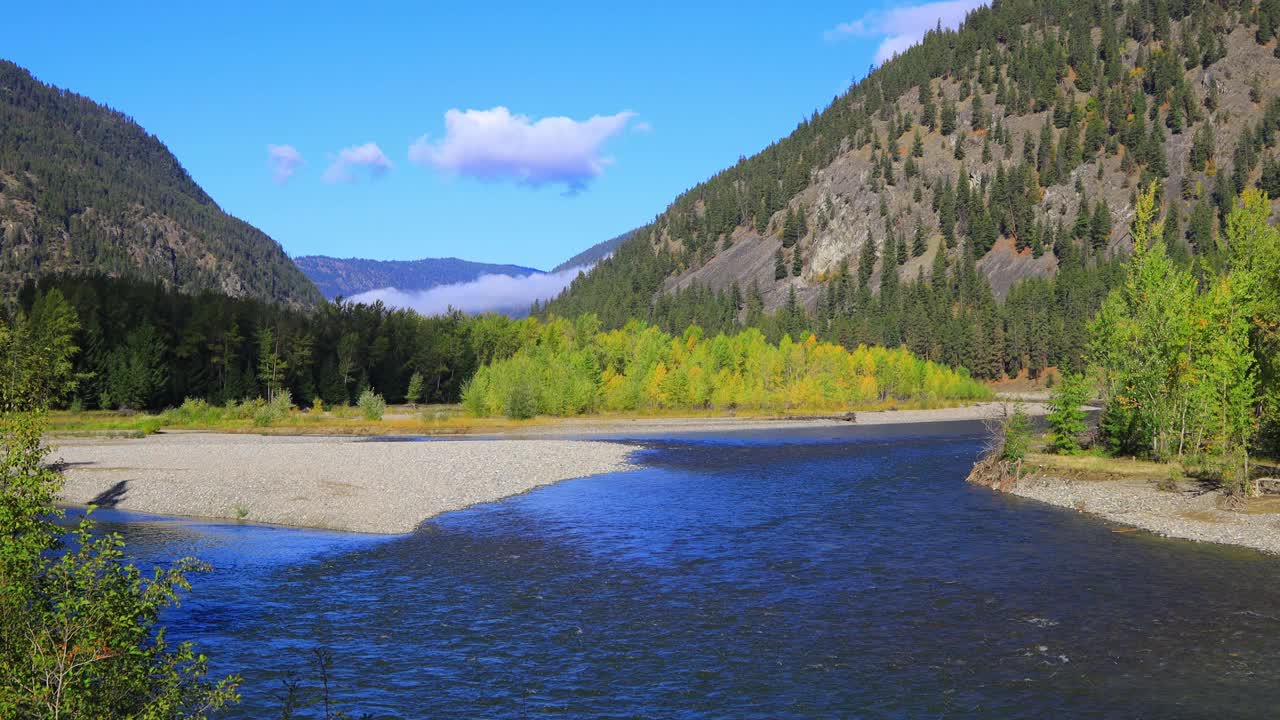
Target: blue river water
815,574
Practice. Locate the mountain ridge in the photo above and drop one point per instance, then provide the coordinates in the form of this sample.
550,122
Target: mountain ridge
85,189
346,277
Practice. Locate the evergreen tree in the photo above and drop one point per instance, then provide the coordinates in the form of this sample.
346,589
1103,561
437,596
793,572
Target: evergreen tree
1100,226
919,244
948,122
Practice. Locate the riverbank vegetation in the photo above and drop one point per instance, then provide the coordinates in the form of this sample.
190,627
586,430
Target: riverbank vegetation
1185,359
79,625
572,368
222,363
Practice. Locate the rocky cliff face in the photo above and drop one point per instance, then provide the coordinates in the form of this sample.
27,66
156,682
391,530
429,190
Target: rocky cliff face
842,204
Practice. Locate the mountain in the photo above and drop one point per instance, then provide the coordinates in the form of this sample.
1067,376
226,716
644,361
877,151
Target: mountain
351,276
971,197
594,254
83,188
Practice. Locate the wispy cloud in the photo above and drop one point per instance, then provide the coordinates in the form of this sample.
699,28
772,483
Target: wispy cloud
344,165
485,293
498,145
902,27
284,161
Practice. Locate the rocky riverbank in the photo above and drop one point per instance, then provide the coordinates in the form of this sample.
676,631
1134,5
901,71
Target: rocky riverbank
1191,512
334,483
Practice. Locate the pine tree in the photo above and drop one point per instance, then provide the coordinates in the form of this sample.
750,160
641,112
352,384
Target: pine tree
779,265
948,123
866,262
1100,226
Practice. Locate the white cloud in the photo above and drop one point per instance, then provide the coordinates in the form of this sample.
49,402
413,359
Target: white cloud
498,145
284,161
348,160
487,292
902,27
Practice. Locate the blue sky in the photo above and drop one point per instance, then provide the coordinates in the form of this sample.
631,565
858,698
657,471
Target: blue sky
678,92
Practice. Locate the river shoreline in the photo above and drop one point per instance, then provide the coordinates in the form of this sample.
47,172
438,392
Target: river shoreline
1189,513
347,483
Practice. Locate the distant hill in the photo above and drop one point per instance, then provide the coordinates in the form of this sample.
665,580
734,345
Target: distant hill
594,254
351,276
83,188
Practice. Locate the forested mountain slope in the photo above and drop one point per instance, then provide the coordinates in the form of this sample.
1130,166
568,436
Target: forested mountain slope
351,276
993,169
593,254
83,188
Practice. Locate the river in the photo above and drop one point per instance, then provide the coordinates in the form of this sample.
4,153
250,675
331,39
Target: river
815,574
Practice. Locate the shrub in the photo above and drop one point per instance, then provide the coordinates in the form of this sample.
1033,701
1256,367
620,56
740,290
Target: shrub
274,411
521,403
1017,435
371,405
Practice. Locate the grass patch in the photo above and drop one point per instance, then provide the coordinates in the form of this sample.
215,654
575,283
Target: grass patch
1093,466
257,416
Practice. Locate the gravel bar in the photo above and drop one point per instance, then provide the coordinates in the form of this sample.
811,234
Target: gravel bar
333,483
1188,514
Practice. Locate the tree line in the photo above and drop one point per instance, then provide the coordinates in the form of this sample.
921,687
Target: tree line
572,367
142,345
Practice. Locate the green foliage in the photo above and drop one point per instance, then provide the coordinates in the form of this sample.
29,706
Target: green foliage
79,631
145,347
1066,418
134,373
372,405
413,393
1178,359
569,371
275,409
1015,435
36,352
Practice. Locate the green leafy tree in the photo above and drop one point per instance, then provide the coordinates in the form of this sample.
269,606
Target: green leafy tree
79,626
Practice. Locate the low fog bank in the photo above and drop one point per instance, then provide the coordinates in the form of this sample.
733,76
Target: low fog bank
510,294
